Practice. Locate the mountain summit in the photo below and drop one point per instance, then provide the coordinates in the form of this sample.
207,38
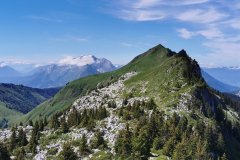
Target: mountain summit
102,64
157,106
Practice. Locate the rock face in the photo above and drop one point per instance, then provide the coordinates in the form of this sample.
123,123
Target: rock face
101,98
109,126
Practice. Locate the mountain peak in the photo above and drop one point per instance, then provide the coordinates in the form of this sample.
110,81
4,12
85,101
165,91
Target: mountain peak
79,61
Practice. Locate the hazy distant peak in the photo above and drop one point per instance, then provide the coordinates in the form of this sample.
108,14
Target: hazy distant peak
2,64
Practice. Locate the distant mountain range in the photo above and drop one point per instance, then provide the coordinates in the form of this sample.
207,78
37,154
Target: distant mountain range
59,74
228,75
71,68
216,84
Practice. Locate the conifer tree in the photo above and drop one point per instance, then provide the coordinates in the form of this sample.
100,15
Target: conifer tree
20,124
41,125
35,135
45,122
64,126
54,121
20,154
13,140
73,118
123,146
142,143
30,123
224,157
4,155
68,153
99,141
83,145
22,138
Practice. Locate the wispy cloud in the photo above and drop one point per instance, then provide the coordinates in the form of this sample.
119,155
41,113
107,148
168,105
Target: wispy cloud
126,44
42,18
201,16
209,33
70,38
185,33
216,21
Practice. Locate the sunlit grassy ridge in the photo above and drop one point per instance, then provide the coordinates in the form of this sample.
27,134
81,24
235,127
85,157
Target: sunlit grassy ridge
164,70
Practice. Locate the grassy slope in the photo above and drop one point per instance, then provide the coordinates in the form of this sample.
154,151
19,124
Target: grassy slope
168,75
23,99
155,61
8,114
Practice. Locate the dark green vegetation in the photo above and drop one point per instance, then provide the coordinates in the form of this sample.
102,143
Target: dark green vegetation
184,119
16,100
190,136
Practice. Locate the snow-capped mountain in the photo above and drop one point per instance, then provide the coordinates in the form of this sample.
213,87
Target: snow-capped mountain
102,64
238,93
65,70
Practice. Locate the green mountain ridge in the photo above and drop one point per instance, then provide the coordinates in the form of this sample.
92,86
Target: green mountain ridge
164,110
153,59
16,100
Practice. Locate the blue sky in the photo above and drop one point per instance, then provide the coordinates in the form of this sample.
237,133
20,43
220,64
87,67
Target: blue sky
44,31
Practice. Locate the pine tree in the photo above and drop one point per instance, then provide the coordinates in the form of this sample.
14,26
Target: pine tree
4,155
20,154
64,126
220,144
142,143
35,135
41,125
30,123
224,157
83,145
73,118
99,141
169,146
13,140
45,122
36,126
182,150
22,138
123,145
68,153
54,122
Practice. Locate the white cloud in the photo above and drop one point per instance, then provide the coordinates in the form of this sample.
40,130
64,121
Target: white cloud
237,6
41,18
125,44
80,39
201,16
146,3
216,21
3,64
221,54
70,38
141,15
186,34
209,33
154,3
235,23
79,61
